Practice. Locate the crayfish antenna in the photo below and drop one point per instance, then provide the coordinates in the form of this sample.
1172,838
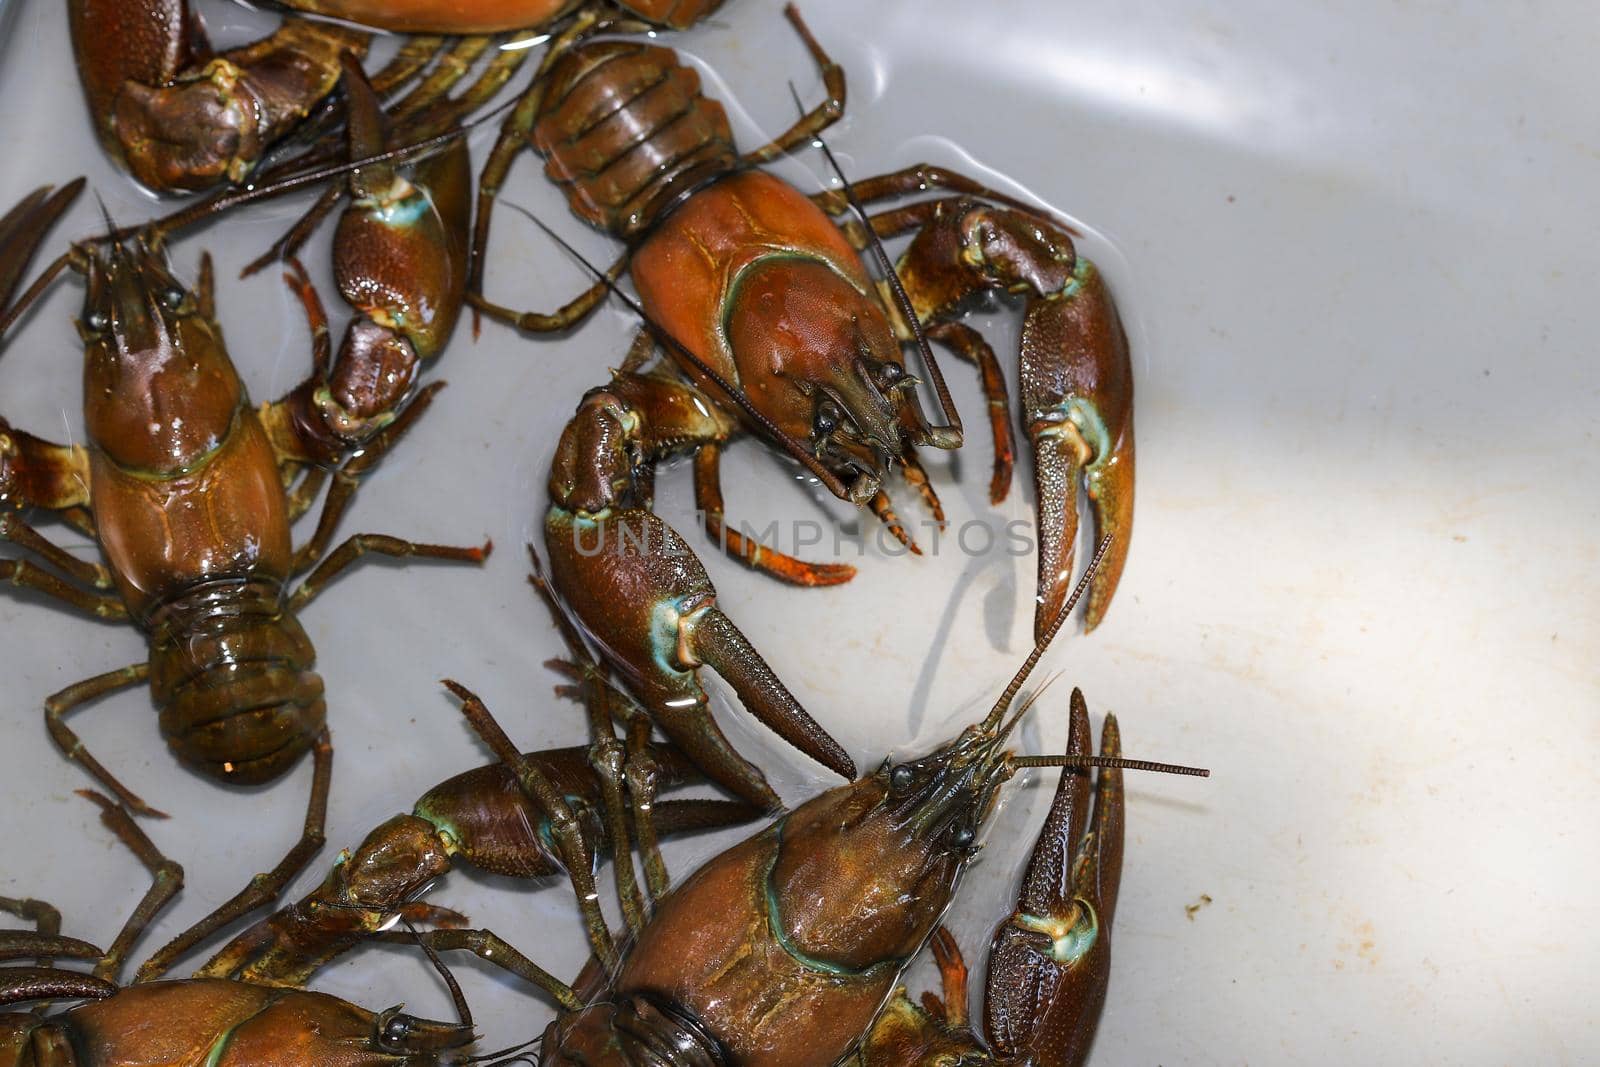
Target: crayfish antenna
1049,635
463,1012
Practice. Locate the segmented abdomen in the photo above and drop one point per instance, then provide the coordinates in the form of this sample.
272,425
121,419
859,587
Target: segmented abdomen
626,132
231,672
633,1030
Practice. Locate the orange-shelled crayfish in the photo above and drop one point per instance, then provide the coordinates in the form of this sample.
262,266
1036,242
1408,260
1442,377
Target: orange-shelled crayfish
772,325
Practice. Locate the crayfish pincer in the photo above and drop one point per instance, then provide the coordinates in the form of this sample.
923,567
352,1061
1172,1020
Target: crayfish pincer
182,118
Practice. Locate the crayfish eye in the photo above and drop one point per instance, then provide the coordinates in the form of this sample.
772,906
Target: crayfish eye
962,838
900,778
826,419
95,320
888,376
394,1030
171,298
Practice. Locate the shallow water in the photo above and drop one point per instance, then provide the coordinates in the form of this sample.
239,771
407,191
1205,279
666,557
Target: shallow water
1361,589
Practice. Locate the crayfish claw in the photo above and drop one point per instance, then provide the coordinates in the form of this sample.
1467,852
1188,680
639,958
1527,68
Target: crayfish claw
1050,962
1077,396
932,1032
21,230
644,597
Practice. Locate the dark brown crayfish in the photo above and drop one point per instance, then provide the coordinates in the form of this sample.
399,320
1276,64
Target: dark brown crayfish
182,483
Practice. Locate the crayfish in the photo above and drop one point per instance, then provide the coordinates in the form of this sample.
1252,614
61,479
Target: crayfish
772,325
183,484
